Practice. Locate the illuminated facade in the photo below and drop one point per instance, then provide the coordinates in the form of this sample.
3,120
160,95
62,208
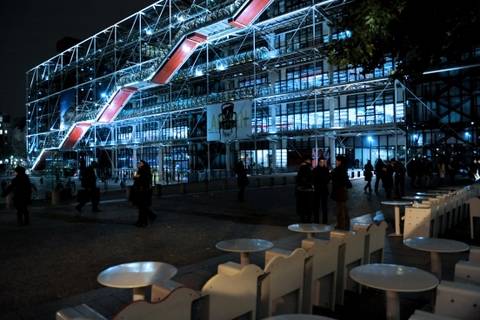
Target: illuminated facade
144,88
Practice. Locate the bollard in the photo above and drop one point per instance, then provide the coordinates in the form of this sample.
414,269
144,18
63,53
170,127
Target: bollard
353,175
358,174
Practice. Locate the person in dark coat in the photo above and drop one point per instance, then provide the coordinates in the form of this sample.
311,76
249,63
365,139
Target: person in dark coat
368,174
242,180
379,172
388,179
399,176
21,187
304,192
142,194
90,191
321,178
340,184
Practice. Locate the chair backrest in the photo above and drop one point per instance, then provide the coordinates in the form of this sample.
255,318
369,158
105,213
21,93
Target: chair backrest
324,254
354,244
374,239
460,300
176,305
285,273
232,295
474,255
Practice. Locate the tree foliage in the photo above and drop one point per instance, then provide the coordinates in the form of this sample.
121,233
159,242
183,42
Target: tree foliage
418,34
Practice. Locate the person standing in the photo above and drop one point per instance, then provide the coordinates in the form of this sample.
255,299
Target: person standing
90,191
368,173
340,184
379,172
321,178
303,192
21,187
242,180
387,179
142,194
400,170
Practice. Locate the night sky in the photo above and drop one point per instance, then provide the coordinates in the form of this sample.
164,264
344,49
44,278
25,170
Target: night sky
31,28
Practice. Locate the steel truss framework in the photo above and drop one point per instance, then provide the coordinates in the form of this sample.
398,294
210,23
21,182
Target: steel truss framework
145,82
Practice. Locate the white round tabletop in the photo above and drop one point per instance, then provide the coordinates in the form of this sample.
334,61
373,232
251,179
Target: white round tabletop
136,274
392,277
297,317
436,245
397,203
310,227
414,197
429,194
244,245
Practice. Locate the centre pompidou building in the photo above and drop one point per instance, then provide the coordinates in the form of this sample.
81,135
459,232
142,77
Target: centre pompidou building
193,86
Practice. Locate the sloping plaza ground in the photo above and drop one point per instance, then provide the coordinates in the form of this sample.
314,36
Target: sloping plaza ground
54,262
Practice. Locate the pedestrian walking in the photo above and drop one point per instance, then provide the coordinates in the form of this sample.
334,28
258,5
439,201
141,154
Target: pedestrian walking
340,185
21,188
141,194
368,174
379,172
304,192
89,191
321,178
242,180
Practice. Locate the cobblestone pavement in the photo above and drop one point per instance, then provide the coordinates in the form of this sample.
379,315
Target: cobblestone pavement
59,255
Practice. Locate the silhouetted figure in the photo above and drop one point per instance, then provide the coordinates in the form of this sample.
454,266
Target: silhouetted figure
142,194
90,192
304,192
387,179
379,172
242,180
340,184
412,168
321,178
368,174
399,176
21,187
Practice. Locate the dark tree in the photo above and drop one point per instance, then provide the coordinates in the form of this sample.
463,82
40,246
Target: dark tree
417,34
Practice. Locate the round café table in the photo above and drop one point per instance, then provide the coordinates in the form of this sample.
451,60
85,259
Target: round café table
393,279
297,316
244,247
136,276
428,194
310,228
397,204
436,246
415,198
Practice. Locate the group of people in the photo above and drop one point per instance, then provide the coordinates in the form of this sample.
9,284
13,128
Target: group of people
312,191
140,192
390,172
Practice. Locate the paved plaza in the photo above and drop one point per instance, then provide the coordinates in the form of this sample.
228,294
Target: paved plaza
54,262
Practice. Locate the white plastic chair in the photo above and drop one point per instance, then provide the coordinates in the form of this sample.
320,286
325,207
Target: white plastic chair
232,292
284,273
170,301
456,299
474,213
320,273
423,315
467,271
374,241
351,254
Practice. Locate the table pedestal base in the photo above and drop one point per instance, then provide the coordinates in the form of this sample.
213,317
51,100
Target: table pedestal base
244,258
393,305
436,264
398,232
139,294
